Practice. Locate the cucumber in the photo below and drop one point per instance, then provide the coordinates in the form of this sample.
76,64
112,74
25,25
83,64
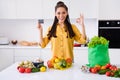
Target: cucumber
103,71
35,69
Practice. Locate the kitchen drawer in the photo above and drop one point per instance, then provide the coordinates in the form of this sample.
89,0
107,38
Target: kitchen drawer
27,52
46,54
114,56
6,58
81,56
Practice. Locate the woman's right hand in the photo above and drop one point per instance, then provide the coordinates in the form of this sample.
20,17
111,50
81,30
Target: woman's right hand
40,27
41,32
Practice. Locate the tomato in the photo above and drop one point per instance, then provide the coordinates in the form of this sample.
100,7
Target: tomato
90,69
113,68
107,73
28,70
21,69
108,65
69,60
94,70
49,63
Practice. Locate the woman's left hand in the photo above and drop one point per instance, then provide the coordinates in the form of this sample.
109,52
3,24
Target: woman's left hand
80,20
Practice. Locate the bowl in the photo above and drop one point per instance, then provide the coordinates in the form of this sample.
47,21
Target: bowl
14,42
38,64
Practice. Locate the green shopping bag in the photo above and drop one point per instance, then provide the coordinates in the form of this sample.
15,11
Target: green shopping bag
98,55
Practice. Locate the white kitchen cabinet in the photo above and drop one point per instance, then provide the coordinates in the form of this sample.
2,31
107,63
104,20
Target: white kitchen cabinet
46,54
87,7
7,9
29,9
114,56
45,9
109,9
21,54
81,55
49,8
6,57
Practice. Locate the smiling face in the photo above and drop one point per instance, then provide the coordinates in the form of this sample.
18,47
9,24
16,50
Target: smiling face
61,14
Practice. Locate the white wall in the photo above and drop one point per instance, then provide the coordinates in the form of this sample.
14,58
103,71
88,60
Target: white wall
26,29
19,29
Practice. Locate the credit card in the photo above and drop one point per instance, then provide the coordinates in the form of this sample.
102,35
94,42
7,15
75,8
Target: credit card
41,21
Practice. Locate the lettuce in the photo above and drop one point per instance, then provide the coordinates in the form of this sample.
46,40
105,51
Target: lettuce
97,41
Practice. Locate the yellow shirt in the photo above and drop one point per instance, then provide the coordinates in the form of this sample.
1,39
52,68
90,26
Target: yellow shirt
62,46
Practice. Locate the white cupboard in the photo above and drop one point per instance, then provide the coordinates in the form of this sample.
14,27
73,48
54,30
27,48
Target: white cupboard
81,56
49,8
7,9
29,9
114,56
21,54
6,57
109,9
46,54
87,7
45,9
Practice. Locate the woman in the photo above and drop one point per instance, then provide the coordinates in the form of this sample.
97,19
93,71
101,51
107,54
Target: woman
62,33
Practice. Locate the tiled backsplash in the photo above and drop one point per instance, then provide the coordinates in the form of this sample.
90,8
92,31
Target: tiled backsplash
26,29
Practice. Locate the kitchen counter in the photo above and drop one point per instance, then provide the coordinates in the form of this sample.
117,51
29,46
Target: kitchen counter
73,73
19,46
